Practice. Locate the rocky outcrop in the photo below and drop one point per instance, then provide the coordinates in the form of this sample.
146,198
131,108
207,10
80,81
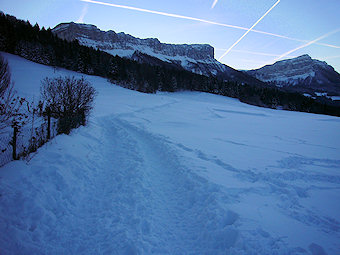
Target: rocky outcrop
301,72
109,40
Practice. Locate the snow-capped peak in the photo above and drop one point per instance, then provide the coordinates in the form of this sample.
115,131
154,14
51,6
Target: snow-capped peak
303,71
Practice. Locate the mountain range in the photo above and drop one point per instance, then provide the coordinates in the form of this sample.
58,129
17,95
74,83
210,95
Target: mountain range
197,58
302,74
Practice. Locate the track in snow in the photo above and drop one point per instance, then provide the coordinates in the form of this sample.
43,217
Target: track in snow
175,211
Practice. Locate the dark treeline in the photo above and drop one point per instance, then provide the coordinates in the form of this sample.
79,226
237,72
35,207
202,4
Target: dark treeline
42,46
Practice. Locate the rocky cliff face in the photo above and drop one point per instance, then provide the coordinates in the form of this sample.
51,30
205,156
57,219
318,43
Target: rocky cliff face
111,41
197,58
300,72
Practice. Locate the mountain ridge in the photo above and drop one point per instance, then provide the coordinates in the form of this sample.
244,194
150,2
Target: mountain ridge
302,74
80,31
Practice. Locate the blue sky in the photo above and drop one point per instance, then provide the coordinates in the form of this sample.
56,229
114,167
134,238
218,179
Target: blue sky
299,21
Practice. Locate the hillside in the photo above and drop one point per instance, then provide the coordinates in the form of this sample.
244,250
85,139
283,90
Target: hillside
173,173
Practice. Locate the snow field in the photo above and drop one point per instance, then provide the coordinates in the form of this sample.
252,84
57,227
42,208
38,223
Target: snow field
174,173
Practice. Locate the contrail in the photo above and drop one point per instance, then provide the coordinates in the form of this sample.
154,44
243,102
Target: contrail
293,39
214,3
164,14
83,13
250,60
201,20
307,44
331,57
254,52
232,46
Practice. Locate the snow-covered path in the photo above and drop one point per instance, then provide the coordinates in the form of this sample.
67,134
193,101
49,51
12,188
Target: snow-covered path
182,215
174,173
138,199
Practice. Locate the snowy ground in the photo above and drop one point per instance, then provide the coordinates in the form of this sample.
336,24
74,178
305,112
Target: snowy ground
174,173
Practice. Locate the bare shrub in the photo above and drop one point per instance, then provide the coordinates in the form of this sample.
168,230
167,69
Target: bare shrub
69,100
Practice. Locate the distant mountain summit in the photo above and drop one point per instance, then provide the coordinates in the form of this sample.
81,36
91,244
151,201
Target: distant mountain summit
197,58
302,74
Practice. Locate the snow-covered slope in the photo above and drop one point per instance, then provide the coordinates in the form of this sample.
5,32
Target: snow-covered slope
174,173
197,58
303,71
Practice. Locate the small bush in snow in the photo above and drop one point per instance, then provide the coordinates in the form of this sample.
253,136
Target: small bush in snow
69,100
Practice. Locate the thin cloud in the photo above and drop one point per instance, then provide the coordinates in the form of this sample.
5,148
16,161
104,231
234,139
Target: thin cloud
201,20
331,57
83,13
214,3
307,44
250,61
254,53
232,46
